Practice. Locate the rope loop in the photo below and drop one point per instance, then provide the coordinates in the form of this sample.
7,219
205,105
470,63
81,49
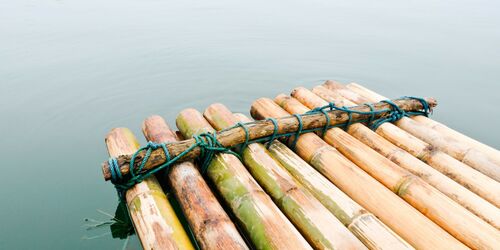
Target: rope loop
372,114
247,135
327,122
275,132
396,114
299,131
426,109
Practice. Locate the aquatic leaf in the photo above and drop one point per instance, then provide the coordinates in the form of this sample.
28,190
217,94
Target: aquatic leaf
122,226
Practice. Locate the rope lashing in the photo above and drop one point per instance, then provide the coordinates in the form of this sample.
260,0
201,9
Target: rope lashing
395,114
372,109
299,131
207,142
247,136
209,145
275,132
426,108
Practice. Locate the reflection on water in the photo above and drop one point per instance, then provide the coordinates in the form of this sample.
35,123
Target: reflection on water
71,70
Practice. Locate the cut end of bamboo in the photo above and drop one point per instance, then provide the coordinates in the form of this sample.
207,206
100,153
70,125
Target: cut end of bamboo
156,127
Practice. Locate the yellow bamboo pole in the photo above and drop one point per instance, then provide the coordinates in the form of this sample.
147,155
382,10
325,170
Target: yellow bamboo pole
320,227
458,150
405,220
368,228
492,153
455,219
154,219
468,177
452,189
331,96
263,222
211,225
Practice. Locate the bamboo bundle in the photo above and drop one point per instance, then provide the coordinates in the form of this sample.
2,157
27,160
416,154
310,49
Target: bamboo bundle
154,219
312,219
455,219
460,151
405,220
210,224
491,152
236,135
262,221
468,177
453,190
368,228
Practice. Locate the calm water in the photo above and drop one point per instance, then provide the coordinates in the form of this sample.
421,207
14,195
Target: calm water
71,70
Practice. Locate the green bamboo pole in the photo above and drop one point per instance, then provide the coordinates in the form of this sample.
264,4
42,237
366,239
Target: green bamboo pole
320,227
154,219
455,219
210,224
405,220
259,217
447,186
363,224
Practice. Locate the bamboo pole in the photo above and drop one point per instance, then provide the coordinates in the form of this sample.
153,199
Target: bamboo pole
331,96
260,129
491,152
452,217
468,177
341,90
211,225
405,220
320,227
452,189
154,219
458,150
368,228
262,221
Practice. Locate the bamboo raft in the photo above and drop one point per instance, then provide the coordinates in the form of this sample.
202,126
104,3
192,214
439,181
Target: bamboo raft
412,183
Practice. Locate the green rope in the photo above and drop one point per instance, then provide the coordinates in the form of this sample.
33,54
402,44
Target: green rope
299,131
275,132
209,145
247,136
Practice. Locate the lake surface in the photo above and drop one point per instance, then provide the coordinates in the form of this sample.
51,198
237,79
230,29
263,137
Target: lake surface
72,70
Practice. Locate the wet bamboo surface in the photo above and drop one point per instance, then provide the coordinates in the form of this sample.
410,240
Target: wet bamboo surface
455,219
461,151
470,178
209,222
405,220
154,219
370,230
261,219
447,186
321,228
